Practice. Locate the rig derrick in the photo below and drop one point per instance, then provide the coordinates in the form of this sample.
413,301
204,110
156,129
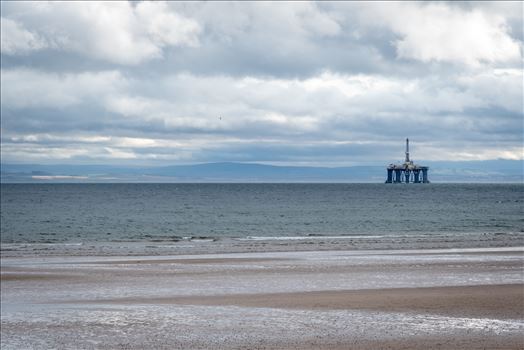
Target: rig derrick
407,172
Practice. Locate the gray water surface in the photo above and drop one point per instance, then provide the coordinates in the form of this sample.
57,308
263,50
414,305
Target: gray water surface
148,212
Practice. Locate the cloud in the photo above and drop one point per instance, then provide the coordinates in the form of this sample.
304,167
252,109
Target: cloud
304,82
231,21
15,39
254,38
165,27
291,106
183,114
497,87
117,32
30,88
438,32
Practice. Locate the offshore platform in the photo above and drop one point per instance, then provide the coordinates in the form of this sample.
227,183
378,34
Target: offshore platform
407,172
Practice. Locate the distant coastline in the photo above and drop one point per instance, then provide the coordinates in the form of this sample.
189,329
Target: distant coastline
491,171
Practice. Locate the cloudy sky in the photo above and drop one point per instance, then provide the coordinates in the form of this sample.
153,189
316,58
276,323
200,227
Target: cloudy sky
297,83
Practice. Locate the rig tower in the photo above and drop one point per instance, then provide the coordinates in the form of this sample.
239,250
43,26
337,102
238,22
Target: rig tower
407,172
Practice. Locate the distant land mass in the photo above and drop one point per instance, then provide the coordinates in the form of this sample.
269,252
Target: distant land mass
460,171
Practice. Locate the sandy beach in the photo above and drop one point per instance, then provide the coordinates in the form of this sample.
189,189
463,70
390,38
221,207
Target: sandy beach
391,299
494,301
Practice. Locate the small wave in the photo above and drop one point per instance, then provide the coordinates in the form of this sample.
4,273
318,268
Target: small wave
298,238
40,244
201,239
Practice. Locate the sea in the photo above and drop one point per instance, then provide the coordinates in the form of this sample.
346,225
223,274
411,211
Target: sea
79,213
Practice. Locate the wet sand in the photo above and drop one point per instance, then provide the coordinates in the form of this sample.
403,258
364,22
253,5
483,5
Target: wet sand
493,301
445,299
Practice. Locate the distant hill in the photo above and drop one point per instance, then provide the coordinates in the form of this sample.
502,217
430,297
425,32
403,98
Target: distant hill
476,171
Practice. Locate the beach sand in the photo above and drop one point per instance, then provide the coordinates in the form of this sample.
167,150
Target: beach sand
491,301
380,299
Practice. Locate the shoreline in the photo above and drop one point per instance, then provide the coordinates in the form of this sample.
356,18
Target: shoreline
210,245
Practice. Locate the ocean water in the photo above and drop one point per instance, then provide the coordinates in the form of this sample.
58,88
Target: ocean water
58,213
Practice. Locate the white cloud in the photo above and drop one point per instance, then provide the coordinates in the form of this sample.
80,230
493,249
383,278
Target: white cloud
334,106
232,20
498,87
133,105
15,39
46,137
439,32
290,105
30,88
165,27
473,152
302,18
117,32
260,34
119,153
41,152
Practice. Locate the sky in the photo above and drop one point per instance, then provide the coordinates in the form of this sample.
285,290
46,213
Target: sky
287,83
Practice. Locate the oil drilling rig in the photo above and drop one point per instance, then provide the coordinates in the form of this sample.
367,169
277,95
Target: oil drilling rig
407,172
